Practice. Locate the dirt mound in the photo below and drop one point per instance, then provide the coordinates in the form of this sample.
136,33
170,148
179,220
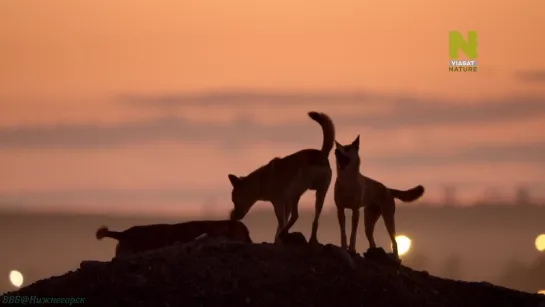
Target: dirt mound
221,273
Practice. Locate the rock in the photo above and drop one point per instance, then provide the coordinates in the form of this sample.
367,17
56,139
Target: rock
294,239
378,254
265,275
343,255
375,253
91,264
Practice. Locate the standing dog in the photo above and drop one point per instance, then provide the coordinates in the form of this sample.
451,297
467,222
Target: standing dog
353,191
138,239
284,180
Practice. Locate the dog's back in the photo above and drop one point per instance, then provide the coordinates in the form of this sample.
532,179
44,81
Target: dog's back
301,170
148,237
231,229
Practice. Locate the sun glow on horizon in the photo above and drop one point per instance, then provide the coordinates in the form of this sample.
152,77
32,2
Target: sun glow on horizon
540,243
403,244
16,278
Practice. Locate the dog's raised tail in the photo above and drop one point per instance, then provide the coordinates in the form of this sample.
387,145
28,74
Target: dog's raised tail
104,232
328,129
408,195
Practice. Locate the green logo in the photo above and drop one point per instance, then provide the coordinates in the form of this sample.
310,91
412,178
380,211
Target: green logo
458,43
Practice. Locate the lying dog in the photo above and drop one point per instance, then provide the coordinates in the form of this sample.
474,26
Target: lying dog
148,237
354,191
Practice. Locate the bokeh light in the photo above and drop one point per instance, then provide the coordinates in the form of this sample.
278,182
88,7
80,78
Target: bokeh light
540,243
541,292
16,278
403,244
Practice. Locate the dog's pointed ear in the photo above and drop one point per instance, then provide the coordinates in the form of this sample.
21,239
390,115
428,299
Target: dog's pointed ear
337,145
356,142
234,180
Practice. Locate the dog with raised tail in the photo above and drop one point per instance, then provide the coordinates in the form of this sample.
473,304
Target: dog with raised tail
354,191
283,181
138,239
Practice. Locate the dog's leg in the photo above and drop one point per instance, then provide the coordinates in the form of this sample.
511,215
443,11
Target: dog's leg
389,222
342,225
353,234
371,214
294,208
318,205
280,212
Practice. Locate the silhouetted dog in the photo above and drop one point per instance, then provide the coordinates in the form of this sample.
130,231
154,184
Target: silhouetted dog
148,237
282,181
354,191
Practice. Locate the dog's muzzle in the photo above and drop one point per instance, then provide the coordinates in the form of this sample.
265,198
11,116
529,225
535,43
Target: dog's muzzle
342,160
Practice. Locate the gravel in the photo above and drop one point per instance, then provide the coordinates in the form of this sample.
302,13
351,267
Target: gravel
215,272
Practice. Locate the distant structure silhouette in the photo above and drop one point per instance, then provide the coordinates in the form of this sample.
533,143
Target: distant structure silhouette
492,196
419,261
523,276
449,196
452,267
522,196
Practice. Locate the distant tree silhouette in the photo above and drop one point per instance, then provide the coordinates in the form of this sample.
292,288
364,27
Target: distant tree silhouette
492,196
418,261
530,278
452,267
537,273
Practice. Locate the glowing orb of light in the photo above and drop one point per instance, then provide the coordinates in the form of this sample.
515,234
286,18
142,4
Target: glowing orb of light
541,292
16,278
540,243
403,244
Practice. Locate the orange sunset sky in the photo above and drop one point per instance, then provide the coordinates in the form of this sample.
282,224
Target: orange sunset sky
133,106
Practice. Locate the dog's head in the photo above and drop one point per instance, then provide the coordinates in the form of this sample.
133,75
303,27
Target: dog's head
241,197
347,156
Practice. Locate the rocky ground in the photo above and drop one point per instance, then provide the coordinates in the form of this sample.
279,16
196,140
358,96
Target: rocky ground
219,273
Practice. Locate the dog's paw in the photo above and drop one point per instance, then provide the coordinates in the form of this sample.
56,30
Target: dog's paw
313,241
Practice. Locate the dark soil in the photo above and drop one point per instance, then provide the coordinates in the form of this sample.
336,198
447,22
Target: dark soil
220,273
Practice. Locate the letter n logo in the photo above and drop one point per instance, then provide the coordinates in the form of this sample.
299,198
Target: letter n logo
457,43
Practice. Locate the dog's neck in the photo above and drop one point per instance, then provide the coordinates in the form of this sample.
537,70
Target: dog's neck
350,171
258,191
253,196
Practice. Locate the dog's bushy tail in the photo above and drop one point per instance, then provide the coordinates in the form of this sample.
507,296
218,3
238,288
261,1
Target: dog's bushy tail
104,232
408,195
328,129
